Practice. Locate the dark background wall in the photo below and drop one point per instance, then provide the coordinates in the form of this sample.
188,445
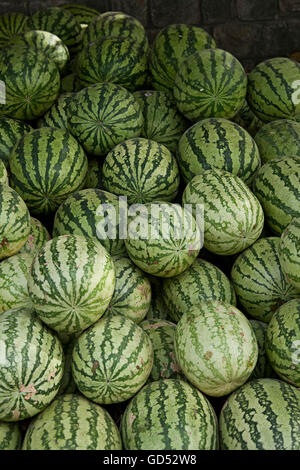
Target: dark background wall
252,30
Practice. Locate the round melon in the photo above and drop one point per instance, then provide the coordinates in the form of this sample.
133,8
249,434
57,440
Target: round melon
37,237
56,116
10,436
11,24
67,384
71,282
94,177
263,368
247,119
289,253
3,173
83,14
280,138
11,131
69,83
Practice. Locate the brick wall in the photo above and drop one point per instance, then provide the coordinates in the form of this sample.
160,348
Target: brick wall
252,30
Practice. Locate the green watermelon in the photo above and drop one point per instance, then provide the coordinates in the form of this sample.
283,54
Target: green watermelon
14,222
37,237
289,253
274,89
210,83
162,238
69,83
10,132
158,309
47,165
263,368
94,176
218,143
279,138
11,24
72,423
200,282
10,436
242,219
83,14
31,365
264,414
3,173
67,384
247,119
56,116
141,169
32,82
71,282
103,115
283,342
259,281
162,121
132,294
169,414
215,347
92,213
277,186
113,59
112,360
171,46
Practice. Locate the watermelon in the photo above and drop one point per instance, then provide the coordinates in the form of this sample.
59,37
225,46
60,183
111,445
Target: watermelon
215,347
218,143
14,273
158,308
3,173
171,46
103,115
162,334
277,186
67,384
280,138
169,414
92,213
83,14
11,24
141,169
32,82
72,423
273,89
283,342
162,121
112,360
47,165
247,119
200,282
242,220
132,294
263,414
14,222
31,365
115,60
259,281
163,239
37,237
210,83
10,132
263,368
94,176
10,436
71,282
69,83
56,116
289,253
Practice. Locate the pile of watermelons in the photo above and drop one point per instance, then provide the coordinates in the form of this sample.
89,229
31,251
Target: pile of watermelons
119,159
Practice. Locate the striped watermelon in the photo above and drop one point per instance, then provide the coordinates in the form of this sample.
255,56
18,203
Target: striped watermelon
112,360
242,217
162,334
171,46
103,115
115,60
200,282
289,253
94,176
277,186
163,239
279,138
169,414
141,169
11,24
158,308
90,213
10,436
259,281
215,347
14,222
67,384
116,23
47,165
162,121
273,89
83,14
247,119
10,132
69,83
218,143
3,173
32,82
263,368
71,282
264,414
283,342
37,237
56,116
31,365
210,83
14,273
72,423
132,294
